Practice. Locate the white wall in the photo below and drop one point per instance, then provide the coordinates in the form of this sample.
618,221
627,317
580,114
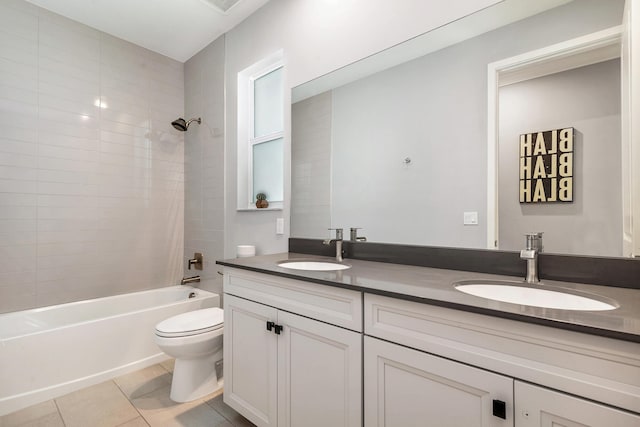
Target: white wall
317,37
91,199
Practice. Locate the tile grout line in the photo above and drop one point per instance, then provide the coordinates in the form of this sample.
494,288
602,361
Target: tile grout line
131,403
55,402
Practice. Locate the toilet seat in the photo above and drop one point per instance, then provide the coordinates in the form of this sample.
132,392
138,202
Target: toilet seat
191,323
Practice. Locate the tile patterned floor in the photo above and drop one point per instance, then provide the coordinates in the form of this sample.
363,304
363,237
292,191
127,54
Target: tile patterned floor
138,399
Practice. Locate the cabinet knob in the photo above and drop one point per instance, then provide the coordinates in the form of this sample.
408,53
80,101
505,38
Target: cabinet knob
278,329
270,326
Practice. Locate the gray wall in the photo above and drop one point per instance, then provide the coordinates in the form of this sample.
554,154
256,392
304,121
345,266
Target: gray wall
315,40
311,166
433,110
204,162
588,99
411,112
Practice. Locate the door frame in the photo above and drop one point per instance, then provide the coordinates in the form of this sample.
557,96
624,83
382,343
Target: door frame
581,51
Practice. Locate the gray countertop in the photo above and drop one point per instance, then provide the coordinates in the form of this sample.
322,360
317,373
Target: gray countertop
435,286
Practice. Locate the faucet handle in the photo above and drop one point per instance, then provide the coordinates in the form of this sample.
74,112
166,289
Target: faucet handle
338,233
354,235
533,241
196,261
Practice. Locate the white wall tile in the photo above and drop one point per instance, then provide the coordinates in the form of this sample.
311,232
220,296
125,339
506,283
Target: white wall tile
18,23
18,76
83,45
29,73
12,172
45,150
52,126
13,186
84,108
91,197
18,49
8,225
46,18
70,142
16,93
65,73
18,160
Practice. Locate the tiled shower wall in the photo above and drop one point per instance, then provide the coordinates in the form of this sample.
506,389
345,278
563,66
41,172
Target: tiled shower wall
91,171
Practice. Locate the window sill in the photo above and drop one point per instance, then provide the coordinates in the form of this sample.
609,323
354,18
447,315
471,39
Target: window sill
273,206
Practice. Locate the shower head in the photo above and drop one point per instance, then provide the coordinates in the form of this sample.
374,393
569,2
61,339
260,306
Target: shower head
183,125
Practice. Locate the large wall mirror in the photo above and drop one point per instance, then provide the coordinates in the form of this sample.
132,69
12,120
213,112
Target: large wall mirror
397,143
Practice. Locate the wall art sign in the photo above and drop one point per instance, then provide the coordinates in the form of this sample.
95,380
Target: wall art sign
546,166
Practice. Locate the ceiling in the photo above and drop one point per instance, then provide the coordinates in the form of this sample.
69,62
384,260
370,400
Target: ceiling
176,28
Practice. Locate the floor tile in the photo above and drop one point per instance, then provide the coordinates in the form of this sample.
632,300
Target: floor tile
139,383
138,422
160,411
44,414
217,403
101,405
168,364
138,399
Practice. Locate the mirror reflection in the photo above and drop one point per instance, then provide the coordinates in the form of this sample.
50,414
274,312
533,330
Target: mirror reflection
402,153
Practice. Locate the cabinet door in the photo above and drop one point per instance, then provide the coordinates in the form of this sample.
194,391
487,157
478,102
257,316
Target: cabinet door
319,374
250,355
405,387
537,407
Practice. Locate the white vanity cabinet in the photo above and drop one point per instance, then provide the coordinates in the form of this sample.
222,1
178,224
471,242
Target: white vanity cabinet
405,388
432,366
285,367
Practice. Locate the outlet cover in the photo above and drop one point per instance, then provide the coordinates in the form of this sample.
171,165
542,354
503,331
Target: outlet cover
471,218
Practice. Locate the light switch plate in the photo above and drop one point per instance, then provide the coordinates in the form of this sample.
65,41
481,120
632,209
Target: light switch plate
471,218
279,226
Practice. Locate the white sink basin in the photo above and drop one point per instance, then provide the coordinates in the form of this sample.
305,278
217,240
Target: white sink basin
535,295
313,265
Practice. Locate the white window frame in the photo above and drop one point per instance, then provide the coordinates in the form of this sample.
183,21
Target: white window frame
246,122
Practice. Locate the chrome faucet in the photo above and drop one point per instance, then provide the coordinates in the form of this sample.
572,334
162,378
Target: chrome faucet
338,241
533,246
354,235
190,280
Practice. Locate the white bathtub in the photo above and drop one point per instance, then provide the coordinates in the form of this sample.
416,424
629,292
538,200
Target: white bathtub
47,352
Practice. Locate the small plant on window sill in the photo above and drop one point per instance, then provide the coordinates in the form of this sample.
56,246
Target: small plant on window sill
261,201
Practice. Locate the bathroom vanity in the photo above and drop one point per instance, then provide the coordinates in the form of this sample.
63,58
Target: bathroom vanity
396,345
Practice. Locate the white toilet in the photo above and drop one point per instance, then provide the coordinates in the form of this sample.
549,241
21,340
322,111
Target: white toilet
195,340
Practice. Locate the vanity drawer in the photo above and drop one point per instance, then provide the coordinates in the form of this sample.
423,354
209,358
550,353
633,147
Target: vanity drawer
337,306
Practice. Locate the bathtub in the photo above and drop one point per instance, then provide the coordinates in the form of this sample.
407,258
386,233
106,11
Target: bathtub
48,352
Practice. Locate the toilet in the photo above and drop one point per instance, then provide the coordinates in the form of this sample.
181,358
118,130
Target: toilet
194,339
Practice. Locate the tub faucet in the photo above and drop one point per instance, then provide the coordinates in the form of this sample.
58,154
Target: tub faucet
354,235
338,241
191,279
533,246
196,261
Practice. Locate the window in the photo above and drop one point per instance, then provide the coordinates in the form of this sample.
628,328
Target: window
260,133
